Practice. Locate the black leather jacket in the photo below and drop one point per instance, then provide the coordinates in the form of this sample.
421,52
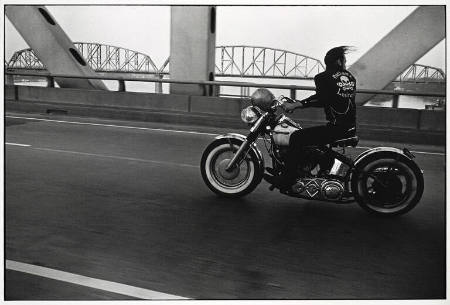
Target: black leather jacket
335,91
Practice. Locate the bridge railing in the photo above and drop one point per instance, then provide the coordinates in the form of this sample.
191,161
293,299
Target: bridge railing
208,86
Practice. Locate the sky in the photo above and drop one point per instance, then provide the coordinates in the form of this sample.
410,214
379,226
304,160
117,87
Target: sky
308,30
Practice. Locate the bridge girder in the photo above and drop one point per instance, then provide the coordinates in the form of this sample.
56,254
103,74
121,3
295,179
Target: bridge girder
52,46
404,45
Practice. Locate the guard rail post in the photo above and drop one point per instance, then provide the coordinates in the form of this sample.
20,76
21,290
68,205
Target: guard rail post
293,94
122,86
158,85
395,99
50,82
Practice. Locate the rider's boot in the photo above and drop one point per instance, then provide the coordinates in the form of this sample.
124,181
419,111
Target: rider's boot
271,171
284,181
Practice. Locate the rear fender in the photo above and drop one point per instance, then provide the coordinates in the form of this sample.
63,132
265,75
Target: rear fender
385,152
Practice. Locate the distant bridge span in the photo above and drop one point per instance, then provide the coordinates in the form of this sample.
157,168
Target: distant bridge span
249,61
418,72
231,61
100,57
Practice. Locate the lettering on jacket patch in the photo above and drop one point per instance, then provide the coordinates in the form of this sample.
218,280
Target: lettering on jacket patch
346,86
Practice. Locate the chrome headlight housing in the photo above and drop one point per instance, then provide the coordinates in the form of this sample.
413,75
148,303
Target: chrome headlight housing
250,115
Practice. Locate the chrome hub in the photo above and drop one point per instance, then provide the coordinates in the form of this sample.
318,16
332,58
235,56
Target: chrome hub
230,174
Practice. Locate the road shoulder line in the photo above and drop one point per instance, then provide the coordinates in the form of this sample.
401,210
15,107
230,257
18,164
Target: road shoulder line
81,280
18,144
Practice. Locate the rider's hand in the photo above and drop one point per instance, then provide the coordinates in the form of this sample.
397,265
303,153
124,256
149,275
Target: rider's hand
289,107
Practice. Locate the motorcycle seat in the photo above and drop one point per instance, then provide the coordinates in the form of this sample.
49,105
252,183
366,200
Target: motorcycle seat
352,141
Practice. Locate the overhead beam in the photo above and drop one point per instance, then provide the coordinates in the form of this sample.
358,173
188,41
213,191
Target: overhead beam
409,41
52,45
192,48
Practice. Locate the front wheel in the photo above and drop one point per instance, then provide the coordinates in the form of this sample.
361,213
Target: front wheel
236,182
388,186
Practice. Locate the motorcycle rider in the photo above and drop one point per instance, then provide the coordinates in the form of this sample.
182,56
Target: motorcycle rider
335,92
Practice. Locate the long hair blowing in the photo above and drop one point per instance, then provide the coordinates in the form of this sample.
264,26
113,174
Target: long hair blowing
337,53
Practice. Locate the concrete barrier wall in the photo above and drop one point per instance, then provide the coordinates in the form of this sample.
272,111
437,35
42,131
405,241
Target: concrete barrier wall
104,98
425,120
9,92
432,120
388,117
215,105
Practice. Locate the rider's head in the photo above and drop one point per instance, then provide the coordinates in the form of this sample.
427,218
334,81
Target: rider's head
335,58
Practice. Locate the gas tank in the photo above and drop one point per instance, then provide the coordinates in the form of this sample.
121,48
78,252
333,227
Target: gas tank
283,130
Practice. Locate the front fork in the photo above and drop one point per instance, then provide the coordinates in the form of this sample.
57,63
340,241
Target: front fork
243,149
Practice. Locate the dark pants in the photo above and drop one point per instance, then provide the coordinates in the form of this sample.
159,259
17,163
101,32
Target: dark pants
312,136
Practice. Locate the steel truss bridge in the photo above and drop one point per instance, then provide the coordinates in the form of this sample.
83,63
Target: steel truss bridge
231,61
421,72
248,61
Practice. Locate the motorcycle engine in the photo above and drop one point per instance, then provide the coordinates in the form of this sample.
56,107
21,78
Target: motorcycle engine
319,188
332,190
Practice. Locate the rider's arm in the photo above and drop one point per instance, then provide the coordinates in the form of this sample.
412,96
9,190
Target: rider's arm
317,100
312,101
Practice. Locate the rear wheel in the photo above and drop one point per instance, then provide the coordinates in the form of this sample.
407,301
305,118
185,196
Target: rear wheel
236,182
388,186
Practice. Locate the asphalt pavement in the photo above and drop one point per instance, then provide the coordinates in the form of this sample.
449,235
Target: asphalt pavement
122,204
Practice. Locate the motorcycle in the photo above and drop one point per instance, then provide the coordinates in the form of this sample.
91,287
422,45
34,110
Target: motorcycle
384,180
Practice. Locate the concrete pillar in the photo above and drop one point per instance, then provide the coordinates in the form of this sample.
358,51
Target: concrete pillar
9,79
51,45
192,48
403,46
159,86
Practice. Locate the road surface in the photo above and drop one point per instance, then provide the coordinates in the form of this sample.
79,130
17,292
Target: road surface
101,209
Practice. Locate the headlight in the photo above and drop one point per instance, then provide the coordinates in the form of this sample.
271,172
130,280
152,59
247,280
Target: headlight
249,115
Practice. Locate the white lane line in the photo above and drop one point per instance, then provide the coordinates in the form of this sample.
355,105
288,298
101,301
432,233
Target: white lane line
115,126
170,130
428,153
81,280
115,157
17,144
